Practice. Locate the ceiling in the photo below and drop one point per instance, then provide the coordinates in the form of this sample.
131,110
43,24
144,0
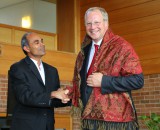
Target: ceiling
4,3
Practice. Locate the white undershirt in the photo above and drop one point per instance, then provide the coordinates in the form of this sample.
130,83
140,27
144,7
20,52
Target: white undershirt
92,52
40,69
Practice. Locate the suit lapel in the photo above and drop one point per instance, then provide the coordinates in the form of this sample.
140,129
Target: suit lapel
34,69
47,73
87,50
85,88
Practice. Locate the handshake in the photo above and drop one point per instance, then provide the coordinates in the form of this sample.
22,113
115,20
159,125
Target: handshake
61,94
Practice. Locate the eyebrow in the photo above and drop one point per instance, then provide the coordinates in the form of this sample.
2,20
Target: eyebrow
38,40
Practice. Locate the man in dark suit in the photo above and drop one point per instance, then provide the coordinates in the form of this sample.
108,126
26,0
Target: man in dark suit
36,88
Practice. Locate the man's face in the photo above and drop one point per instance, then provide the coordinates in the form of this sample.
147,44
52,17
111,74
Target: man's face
95,25
36,48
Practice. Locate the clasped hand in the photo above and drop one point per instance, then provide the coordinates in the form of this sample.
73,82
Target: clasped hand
61,94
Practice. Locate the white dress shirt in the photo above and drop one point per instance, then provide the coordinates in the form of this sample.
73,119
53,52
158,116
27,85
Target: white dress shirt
40,69
92,52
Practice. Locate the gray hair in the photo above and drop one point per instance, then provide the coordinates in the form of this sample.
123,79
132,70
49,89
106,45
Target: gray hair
25,42
102,10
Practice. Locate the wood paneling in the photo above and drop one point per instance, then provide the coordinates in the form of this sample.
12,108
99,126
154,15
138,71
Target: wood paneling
63,121
68,25
5,35
18,35
149,51
134,12
137,25
77,25
2,114
83,33
13,35
83,24
84,2
65,26
110,5
144,38
151,66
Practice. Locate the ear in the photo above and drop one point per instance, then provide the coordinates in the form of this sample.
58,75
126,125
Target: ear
26,48
106,24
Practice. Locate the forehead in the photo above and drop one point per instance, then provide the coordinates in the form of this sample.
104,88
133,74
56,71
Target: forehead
33,36
94,15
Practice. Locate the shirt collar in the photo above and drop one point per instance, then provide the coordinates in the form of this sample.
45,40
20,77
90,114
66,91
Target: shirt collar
36,62
98,43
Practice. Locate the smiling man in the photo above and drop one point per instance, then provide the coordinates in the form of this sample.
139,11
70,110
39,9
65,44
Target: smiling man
107,69
36,88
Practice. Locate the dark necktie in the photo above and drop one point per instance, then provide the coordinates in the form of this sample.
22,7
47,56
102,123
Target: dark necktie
93,60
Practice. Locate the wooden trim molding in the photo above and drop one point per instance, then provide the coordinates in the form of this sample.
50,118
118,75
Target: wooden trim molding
61,120
0,50
2,114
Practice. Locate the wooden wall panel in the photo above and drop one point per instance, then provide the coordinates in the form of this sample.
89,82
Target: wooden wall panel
134,12
149,51
84,2
63,121
65,26
5,35
60,58
83,28
151,66
110,5
11,52
83,33
144,38
68,25
18,35
12,35
137,25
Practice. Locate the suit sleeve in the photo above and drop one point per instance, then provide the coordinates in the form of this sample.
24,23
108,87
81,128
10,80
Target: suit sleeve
57,102
111,84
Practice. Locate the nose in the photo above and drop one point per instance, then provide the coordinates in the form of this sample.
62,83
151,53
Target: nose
42,42
93,25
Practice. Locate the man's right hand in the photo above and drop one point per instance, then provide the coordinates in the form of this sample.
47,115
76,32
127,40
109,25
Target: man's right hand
61,94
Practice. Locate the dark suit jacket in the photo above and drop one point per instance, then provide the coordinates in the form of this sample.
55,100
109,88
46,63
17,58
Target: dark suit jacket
33,109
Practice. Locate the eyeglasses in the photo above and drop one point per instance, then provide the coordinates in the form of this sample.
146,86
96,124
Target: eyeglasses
93,24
